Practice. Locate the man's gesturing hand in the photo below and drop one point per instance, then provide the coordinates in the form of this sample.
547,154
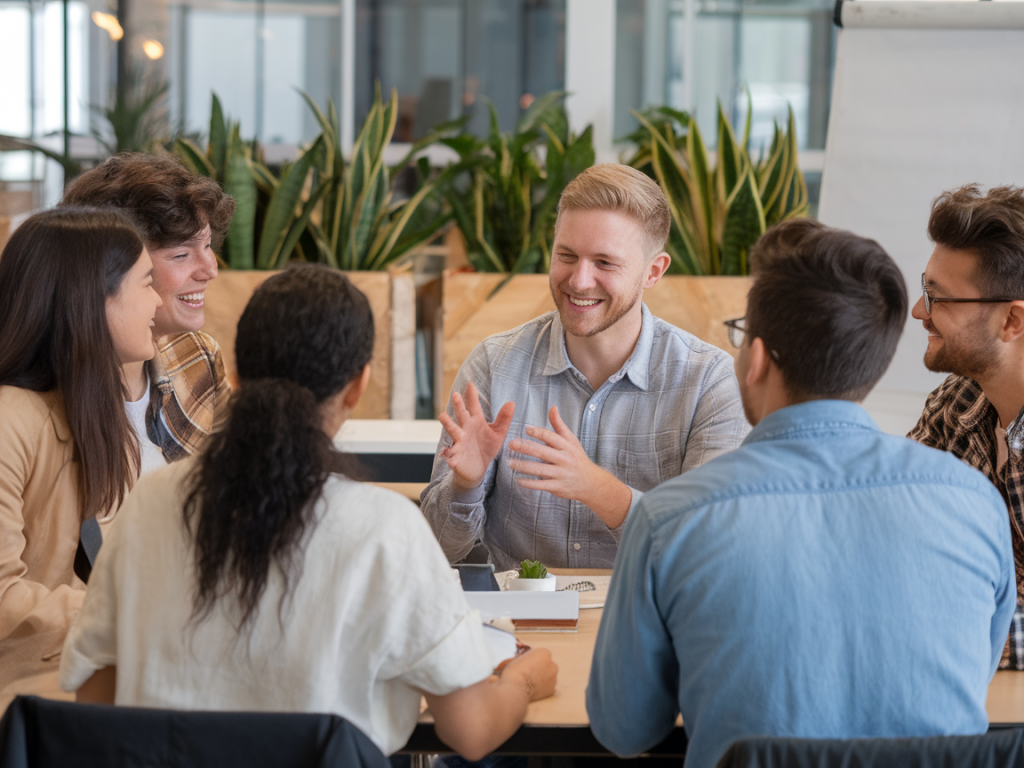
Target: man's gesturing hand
566,470
475,443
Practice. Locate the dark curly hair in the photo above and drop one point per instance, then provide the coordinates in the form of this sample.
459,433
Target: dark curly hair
168,203
305,334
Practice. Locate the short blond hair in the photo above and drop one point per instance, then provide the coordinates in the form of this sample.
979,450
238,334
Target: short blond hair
615,187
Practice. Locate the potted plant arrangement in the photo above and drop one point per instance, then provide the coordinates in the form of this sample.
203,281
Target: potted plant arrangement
322,208
532,576
718,213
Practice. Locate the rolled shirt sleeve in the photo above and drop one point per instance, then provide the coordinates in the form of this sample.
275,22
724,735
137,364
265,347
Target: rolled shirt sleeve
457,518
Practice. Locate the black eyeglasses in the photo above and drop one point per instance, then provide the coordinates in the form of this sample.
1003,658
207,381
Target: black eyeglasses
737,330
929,300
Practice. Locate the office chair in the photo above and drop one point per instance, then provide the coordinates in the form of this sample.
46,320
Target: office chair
40,733
995,749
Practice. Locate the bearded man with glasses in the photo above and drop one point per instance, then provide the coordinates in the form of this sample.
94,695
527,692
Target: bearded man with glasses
973,310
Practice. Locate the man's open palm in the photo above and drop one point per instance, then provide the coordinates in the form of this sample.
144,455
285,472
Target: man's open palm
475,443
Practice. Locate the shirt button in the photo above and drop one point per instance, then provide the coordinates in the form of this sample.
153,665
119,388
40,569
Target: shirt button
576,547
593,407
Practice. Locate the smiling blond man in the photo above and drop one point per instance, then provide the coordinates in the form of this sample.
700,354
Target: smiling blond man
555,429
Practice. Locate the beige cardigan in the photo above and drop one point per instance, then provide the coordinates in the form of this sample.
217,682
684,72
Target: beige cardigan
40,518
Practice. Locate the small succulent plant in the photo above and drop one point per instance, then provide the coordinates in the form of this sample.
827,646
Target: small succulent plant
532,569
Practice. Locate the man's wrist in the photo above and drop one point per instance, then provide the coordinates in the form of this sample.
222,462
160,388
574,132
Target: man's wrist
464,486
609,498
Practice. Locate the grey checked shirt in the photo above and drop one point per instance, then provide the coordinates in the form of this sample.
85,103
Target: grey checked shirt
673,406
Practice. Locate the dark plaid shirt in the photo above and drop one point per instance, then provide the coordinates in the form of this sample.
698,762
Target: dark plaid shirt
959,418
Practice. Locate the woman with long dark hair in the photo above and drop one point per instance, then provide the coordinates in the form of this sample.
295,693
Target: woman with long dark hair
76,315
275,582
181,396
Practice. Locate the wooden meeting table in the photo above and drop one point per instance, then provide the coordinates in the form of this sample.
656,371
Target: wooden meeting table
559,725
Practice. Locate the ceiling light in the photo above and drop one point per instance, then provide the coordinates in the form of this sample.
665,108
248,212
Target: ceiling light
153,49
109,23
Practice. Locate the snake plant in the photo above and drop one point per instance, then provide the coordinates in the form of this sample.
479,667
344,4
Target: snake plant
718,213
503,197
319,207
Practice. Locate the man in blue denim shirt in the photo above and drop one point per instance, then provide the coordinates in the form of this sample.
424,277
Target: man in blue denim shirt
824,580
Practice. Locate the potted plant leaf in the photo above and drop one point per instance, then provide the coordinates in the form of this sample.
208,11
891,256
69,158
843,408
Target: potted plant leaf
503,195
326,209
532,576
718,212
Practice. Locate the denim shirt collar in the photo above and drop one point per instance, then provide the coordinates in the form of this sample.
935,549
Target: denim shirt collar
811,416
637,367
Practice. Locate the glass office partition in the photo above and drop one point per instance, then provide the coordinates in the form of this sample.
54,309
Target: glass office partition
447,57
690,54
41,93
255,57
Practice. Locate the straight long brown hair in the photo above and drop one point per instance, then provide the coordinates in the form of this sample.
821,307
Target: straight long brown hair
56,273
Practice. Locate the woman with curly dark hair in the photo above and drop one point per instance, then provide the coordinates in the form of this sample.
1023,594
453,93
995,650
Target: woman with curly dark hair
76,316
275,582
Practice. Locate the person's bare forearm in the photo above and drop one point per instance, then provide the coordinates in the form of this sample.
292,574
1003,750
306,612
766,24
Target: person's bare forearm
477,720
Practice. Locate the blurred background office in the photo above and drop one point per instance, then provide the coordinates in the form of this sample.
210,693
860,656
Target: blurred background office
71,68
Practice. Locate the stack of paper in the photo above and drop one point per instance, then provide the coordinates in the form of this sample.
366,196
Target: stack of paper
530,611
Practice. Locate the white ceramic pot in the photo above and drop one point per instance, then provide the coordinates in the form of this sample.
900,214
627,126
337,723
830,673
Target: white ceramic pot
547,584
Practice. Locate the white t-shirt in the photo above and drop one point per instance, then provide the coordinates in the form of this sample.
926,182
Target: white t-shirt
374,616
152,456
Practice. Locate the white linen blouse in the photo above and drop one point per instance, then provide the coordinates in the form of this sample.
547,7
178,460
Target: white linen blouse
374,618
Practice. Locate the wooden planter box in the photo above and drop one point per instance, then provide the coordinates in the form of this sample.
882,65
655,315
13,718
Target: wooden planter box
392,295
695,304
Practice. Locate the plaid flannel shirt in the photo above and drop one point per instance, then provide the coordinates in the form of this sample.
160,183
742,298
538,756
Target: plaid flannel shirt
959,418
190,393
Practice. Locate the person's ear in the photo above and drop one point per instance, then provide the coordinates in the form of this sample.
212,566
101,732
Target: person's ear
355,388
1013,323
759,363
656,269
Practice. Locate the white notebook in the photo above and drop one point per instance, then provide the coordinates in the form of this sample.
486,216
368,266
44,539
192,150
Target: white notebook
533,611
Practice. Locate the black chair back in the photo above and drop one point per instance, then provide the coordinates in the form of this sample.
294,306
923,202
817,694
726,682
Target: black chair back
39,733
995,749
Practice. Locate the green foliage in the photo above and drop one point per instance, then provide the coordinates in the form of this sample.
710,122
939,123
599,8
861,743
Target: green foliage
361,226
718,214
137,117
503,197
532,569
319,208
234,164
138,123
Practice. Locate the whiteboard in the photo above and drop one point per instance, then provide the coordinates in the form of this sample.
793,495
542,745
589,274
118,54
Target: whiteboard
916,111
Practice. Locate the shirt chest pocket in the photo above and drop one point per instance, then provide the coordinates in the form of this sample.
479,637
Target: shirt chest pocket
645,468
